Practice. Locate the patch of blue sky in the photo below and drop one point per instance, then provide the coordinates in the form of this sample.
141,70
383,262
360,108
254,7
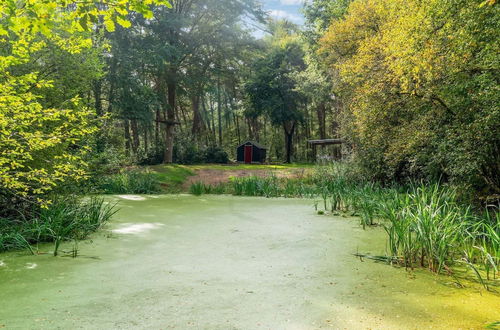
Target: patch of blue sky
285,9
282,9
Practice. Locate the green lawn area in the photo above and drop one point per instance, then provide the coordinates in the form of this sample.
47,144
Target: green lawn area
171,176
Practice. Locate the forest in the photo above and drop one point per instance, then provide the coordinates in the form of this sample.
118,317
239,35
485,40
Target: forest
108,97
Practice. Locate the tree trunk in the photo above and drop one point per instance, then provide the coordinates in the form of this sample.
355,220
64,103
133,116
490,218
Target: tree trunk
289,129
198,124
237,123
206,119
127,136
321,113
219,115
256,129
157,129
170,122
135,135
146,139
213,120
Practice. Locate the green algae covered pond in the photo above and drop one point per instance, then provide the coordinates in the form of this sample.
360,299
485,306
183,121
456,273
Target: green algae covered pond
223,262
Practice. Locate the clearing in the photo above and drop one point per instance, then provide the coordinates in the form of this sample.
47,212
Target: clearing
176,178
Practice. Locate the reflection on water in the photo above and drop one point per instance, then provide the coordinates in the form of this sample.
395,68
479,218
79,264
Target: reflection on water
137,228
132,197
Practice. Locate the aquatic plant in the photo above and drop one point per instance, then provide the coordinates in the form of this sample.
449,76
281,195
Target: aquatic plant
66,218
197,188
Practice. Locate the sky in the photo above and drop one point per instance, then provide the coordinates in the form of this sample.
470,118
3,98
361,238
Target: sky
285,9
281,9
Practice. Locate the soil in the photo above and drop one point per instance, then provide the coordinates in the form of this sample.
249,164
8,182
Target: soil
215,176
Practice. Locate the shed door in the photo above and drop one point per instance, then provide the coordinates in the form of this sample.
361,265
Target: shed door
248,154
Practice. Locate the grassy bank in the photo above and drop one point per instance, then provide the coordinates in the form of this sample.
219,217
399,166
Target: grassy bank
144,180
170,178
426,224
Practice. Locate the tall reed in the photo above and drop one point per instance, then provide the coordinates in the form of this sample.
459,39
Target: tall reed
67,218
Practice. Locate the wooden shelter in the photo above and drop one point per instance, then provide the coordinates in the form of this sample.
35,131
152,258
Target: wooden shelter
336,154
251,152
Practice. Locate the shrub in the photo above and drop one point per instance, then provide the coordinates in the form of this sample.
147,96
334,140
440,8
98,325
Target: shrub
190,153
214,154
187,153
153,156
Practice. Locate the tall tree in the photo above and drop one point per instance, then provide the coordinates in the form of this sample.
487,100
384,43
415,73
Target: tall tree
272,89
177,36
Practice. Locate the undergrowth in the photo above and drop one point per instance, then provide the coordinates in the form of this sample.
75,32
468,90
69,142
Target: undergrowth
131,182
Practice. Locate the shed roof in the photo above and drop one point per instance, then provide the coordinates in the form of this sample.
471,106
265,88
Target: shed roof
258,145
326,141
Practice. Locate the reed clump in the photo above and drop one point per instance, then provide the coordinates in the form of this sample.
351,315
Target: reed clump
65,219
131,182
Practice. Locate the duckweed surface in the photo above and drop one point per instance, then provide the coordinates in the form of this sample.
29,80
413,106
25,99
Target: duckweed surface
222,262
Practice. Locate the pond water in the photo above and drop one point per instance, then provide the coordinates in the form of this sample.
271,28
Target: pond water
222,262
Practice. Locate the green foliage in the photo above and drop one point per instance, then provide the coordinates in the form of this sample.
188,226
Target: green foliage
130,182
272,86
272,89
320,13
41,132
419,85
189,153
66,218
214,154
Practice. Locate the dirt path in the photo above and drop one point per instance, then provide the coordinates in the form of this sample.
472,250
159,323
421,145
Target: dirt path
224,262
216,176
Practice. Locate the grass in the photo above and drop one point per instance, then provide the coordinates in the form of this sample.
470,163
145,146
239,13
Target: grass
200,188
148,180
66,219
131,182
171,176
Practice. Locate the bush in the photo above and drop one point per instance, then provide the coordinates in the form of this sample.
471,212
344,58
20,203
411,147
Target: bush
154,156
214,154
108,161
189,153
